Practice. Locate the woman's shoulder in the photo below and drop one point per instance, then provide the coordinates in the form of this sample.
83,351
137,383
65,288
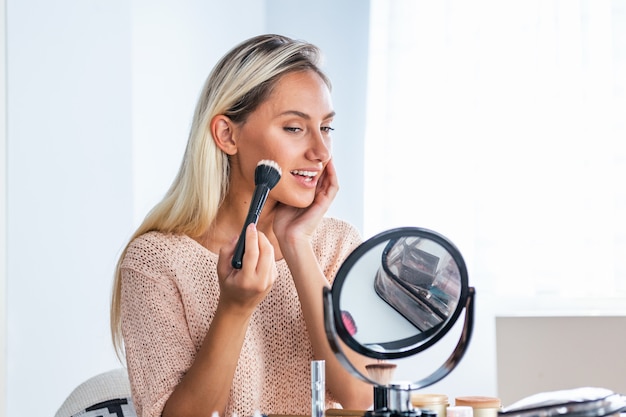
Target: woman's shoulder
154,240
157,250
336,234
332,226
333,241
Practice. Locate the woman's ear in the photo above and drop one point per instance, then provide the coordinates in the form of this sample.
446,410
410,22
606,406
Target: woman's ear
222,130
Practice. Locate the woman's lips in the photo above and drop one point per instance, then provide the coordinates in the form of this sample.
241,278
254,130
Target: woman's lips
306,178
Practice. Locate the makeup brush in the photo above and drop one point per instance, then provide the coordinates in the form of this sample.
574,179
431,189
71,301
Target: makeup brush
266,176
381,372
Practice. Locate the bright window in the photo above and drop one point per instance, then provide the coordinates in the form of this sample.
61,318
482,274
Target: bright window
502,125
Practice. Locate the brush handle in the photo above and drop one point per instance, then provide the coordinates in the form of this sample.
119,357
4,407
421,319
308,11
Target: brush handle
256,205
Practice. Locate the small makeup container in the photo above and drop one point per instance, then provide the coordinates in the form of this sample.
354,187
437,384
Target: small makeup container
433,402
460,411
318,388
482,406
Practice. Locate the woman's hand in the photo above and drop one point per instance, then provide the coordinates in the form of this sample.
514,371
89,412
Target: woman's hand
245,288
293,224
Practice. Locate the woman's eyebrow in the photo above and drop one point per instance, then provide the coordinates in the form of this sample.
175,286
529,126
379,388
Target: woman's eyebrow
304,115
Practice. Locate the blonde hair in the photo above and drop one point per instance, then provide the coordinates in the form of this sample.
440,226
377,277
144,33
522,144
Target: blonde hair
240,81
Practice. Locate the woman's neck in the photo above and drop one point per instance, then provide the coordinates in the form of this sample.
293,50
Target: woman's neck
228,225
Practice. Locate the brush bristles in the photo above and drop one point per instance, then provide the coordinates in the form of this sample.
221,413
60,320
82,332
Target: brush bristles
381,372
268,173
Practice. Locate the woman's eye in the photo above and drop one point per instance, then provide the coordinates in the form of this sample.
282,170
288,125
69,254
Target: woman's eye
292,129
327,129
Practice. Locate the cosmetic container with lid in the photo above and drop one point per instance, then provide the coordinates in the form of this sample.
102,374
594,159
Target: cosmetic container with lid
434,402
460,411
482,406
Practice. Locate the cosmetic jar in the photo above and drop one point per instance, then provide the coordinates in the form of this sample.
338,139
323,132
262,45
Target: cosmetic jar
482,406
460,411
433,402
399,397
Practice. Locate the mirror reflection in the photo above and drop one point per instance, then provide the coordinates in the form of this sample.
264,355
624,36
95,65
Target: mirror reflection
399,292
419,279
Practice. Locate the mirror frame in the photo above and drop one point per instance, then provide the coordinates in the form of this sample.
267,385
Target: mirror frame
411,345
335,328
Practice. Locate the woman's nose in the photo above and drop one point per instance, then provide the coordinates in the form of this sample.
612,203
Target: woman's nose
320,149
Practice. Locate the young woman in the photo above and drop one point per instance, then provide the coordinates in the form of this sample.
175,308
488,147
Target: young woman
200,336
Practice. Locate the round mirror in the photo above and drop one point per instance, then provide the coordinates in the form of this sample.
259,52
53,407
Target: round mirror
397,294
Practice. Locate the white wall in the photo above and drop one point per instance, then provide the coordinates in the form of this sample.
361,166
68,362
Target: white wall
69,195
100,96
3,195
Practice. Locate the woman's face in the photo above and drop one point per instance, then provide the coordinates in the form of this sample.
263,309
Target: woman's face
292,127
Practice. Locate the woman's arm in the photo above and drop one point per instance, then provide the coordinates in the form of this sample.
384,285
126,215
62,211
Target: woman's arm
310,281
294,230
206,385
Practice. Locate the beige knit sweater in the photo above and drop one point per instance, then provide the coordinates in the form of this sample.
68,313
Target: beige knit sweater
170,292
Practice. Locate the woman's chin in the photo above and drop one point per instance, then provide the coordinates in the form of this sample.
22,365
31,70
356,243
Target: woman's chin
299,203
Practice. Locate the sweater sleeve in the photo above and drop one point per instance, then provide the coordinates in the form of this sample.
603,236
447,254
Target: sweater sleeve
157,341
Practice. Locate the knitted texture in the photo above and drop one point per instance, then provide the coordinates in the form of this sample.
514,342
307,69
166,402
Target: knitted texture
170,292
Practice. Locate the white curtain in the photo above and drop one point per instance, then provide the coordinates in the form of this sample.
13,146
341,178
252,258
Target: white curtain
502,125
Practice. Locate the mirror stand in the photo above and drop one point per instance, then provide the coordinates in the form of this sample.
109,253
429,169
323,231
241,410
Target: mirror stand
394,399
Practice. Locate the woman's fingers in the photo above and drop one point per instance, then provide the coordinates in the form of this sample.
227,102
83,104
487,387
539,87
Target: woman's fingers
249,285
258,259
329,183
266,266
224,267
251,254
